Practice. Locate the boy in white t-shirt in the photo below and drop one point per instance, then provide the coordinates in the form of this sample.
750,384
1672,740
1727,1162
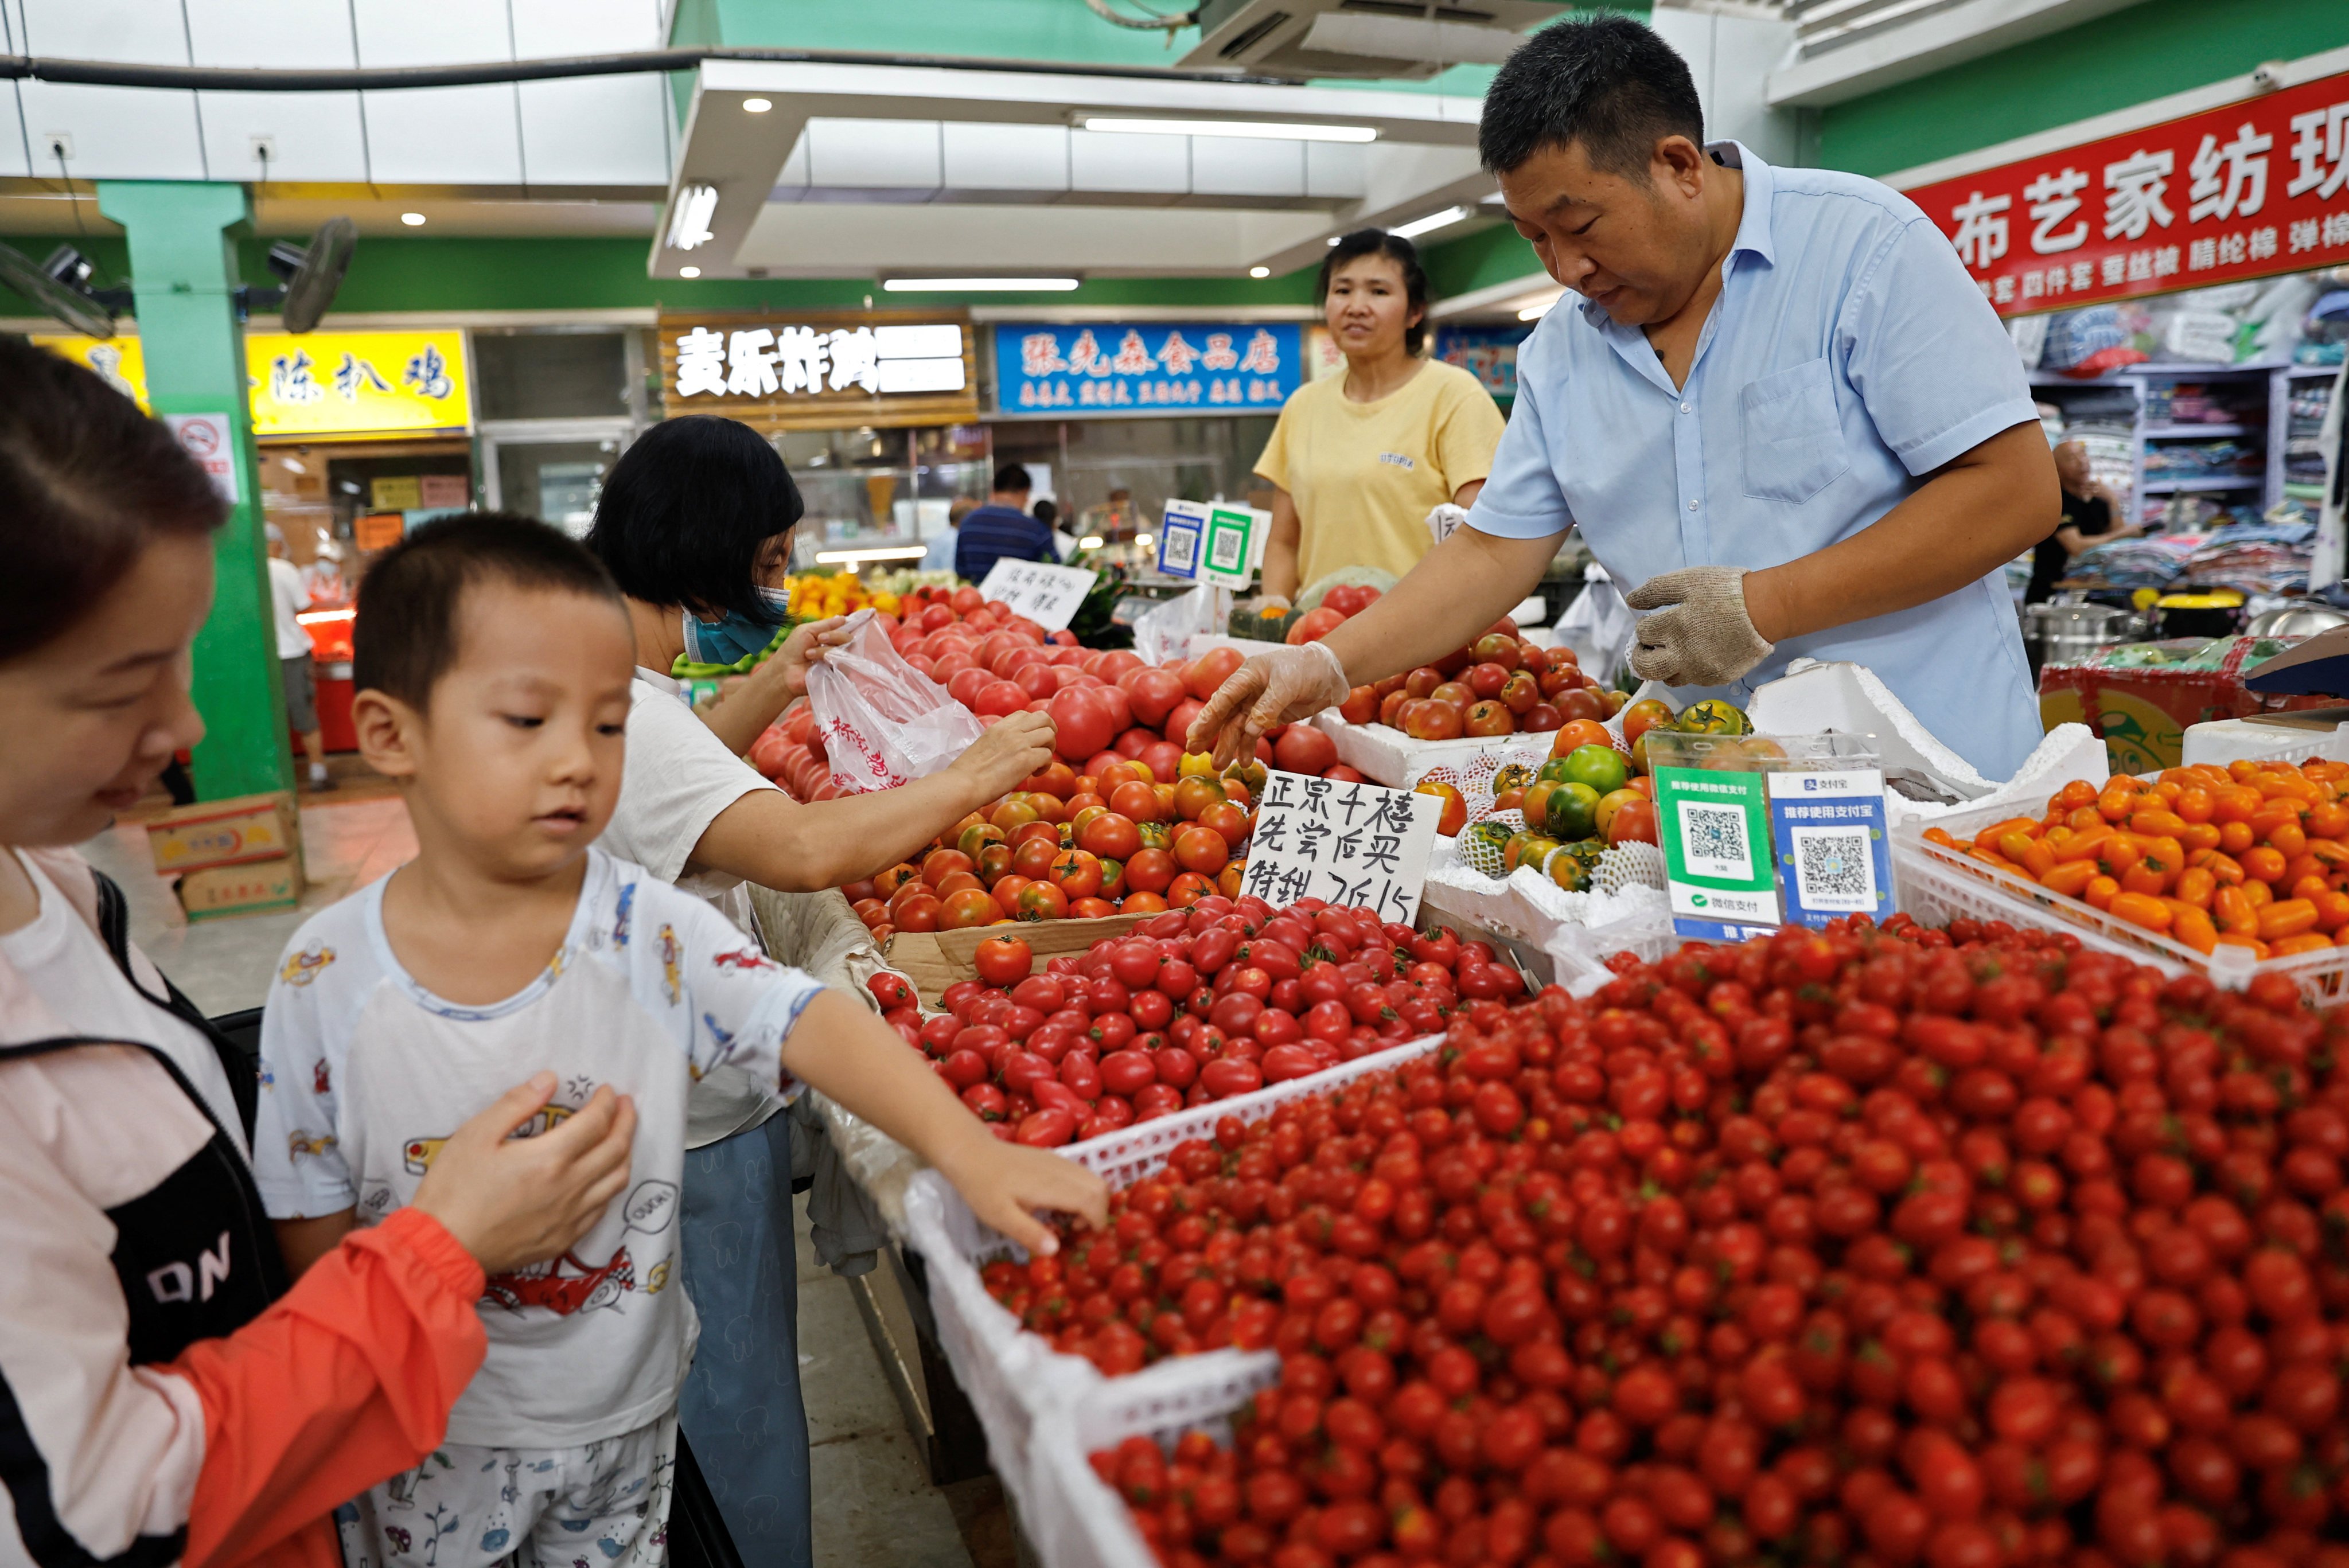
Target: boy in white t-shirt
493,663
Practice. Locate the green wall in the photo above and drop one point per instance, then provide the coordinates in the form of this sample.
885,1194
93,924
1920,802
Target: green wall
2146,51
396,272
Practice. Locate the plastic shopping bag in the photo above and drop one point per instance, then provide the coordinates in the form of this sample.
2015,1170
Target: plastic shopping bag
1598,626
883,723
1165,631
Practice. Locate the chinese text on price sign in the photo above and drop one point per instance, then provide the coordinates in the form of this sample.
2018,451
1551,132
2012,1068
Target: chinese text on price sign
2245,191
1048,595
1147,368
1344,844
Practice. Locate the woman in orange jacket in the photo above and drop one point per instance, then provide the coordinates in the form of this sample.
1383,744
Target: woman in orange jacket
163,1395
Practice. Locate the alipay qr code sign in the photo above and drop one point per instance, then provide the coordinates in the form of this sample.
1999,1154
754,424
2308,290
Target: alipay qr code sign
1048,595
1717,860
1180,532
1827,830
1345,843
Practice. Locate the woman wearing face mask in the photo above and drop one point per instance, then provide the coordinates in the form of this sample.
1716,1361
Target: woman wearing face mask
695,525
164,1396
1358,460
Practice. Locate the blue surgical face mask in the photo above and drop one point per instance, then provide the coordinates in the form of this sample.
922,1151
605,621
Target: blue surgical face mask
736,637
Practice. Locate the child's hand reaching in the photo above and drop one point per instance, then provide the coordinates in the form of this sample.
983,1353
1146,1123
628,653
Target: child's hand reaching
1007,1185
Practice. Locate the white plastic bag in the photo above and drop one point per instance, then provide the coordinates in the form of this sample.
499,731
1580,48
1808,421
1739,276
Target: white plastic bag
883,722
1165,631
1598,626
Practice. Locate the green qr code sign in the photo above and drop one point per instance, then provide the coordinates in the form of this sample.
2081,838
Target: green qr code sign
1228,545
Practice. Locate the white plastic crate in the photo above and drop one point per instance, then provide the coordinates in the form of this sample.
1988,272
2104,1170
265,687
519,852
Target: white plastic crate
1079,1522
1936,884
1011,1377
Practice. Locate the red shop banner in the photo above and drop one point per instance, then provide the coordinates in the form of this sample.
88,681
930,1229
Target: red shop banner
2248,191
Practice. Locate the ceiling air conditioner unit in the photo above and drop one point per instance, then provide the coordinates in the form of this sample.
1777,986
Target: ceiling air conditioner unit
1388,39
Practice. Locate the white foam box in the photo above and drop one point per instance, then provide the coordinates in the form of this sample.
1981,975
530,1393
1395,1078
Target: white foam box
1385,754
2292,736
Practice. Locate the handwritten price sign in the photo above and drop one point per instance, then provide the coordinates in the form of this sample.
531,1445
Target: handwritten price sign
1048,595
1346,843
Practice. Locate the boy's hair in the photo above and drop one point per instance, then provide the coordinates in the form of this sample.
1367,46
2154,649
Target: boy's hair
87,482
687,513
405,636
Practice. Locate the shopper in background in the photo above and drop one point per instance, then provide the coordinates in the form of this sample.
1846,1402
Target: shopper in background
2087,519
288,597
1358,460
693,520
1065,543
235,1427
1002,529
1780,407
940,556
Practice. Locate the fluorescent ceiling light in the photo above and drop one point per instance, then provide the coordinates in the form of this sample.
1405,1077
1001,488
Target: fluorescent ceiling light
1259,272
1142,539
1332,242
1259,129
756,106
1433,220
688,222
977,285
1539,308
689,272
1090,541
413,220
878,552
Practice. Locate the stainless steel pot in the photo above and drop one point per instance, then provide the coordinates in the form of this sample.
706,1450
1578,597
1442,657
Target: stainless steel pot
2066,634
2304,619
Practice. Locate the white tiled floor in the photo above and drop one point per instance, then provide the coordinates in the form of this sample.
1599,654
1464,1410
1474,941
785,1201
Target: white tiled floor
875,1506
224,964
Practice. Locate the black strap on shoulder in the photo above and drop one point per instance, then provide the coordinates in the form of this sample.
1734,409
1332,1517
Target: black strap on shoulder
46,1536
241,1066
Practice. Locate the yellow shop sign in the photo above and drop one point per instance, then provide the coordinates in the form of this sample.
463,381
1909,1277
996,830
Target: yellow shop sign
342,384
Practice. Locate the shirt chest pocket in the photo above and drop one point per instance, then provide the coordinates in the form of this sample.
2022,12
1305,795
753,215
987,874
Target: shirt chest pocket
1792,438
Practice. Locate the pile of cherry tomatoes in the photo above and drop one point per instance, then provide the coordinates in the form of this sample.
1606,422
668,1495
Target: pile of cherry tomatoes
1871,1246
1191,1006
2254,855
1498,684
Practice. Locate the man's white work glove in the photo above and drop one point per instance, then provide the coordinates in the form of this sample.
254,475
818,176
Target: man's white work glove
1269,689
1702,635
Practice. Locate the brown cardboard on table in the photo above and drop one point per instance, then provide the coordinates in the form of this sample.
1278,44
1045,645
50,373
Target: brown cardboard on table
934,960
224,832
217,891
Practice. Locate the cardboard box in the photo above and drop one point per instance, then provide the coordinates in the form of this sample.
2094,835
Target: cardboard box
215,892
224,833
934,960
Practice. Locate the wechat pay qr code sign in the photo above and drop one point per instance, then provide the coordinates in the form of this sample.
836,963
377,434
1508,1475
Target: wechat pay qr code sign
1048,595
1717,870
1344,844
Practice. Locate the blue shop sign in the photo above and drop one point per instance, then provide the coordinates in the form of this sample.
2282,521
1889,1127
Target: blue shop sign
1487,352
1159,367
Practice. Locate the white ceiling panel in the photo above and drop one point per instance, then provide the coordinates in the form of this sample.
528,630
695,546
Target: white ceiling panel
150,31
430,32
853,239
550,27
313,135
270,33
444,136
118,133
597,130
1241,166
874,154
1006,157
1336,168
1144,165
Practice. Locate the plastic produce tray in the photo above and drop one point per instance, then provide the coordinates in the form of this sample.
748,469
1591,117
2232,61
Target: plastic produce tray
1078,1521
1936,884
1013,1377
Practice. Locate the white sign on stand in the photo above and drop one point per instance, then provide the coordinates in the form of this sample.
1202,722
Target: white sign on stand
1346,843
207,438
1048,595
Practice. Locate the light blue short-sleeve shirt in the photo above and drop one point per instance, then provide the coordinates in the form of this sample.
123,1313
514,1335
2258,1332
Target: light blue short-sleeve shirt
1848,356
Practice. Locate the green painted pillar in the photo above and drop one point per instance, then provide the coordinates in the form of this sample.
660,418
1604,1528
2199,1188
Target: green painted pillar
182,278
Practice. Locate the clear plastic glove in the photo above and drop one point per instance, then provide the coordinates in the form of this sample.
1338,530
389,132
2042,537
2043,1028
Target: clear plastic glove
1269,689
1014,748
1701,634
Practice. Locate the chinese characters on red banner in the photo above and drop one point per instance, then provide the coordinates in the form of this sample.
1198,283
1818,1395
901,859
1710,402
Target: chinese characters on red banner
2246,190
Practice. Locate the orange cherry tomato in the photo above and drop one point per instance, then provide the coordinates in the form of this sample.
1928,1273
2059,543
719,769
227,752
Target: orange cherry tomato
2200,835
2192,927
2155,824
2235,804
2070,878
2079,793
2100,891
2262,864
2083,819
2195,886
2326,819
2232,909
2332,909
2141,909
2288,917
2194,803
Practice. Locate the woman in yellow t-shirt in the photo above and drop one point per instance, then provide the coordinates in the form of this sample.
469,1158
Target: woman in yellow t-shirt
1358,460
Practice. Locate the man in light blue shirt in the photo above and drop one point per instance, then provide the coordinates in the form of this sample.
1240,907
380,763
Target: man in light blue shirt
1780,407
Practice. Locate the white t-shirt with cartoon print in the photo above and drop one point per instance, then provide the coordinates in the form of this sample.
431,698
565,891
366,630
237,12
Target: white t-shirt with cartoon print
364,1073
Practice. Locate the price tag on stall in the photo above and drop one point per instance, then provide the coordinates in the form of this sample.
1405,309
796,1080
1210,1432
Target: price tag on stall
1048,595
1180,533
1346,843
1717,860
1827,829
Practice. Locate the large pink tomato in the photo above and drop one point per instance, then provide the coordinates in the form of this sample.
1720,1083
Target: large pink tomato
1085,723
